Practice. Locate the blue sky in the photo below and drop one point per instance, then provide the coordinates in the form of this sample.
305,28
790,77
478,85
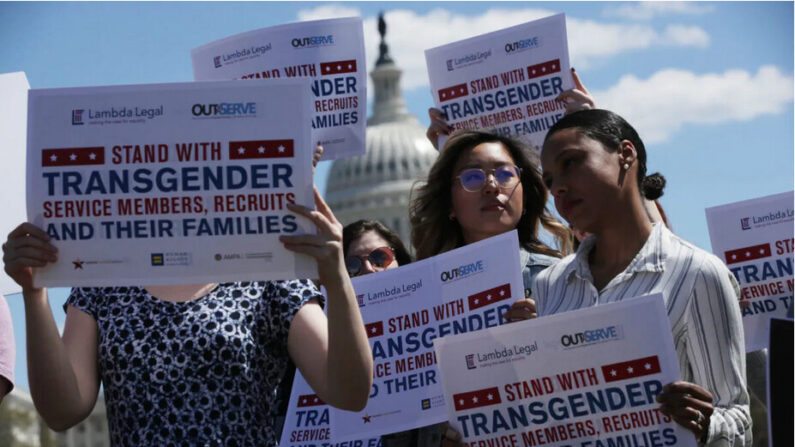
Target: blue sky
709,86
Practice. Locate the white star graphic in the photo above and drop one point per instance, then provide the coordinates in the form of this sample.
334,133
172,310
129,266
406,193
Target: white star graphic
443,95
488,297
339,67
462,90
734,256
461,402
647,366
242,150
543,68
502,292
630,370
534,71
73,157
92,156
328,68
761,251
374,330
261,150
315,399
613,372
553,66
350,66
474,400
53,157
490,396
747,253
281,148
475,301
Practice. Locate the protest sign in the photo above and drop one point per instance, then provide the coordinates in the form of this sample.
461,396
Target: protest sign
170,183
328,52
13,117
586,378
505,81
404,309
754,239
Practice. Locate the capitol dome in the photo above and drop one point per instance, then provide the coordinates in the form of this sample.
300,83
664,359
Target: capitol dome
377,185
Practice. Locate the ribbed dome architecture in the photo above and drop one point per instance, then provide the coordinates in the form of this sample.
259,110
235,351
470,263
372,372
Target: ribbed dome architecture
377,185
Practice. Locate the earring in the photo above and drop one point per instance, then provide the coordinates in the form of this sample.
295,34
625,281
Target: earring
626,166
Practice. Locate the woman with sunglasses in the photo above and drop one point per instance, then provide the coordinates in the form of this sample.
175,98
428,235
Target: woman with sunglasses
594,164
371,247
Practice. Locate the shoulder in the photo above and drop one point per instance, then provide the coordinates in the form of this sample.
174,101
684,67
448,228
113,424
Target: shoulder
557,269
698,260
538,259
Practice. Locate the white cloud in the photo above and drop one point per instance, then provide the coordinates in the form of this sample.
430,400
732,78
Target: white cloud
661,105
650,10
409,34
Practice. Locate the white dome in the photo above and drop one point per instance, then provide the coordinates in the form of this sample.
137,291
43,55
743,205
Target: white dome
377,185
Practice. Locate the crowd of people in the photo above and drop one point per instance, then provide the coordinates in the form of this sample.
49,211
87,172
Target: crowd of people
201,364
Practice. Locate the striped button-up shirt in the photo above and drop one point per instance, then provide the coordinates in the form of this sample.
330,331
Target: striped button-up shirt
699,296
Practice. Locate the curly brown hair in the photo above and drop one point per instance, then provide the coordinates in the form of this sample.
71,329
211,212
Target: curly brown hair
433,232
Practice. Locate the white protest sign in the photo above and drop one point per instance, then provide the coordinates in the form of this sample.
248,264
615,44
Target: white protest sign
754,239
586,378
329,52
404,310
170,183
505,81
13,117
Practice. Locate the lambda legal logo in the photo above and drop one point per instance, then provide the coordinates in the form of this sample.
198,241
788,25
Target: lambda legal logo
745,223
449,65
360,300
217,61
77,117
470,358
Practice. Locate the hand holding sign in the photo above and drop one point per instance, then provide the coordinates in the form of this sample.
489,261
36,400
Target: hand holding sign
689,405
325,246
28,246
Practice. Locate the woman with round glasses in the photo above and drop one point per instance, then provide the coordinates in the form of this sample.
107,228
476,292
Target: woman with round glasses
483,185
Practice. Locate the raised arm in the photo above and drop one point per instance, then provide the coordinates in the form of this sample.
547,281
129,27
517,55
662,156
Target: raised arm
62,372
332,353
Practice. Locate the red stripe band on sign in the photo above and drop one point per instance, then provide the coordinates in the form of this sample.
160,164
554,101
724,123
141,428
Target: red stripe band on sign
76,156
309,400
543,69
490,296
477,398
631,369
241,150
374,329
748,253
453,92
332,68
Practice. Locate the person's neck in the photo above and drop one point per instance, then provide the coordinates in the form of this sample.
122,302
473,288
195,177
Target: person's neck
181,292
619,242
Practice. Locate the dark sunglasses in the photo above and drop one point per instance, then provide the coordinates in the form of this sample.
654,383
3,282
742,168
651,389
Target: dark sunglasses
380,257
474,179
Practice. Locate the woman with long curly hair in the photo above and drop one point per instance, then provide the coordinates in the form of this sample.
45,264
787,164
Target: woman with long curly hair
483,185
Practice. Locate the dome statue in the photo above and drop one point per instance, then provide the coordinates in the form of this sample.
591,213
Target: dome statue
377,185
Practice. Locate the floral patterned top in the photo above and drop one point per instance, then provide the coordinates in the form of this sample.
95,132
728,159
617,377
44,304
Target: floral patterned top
196,373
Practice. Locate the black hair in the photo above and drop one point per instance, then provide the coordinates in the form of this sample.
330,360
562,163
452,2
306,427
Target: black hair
353,231
653,185
607,128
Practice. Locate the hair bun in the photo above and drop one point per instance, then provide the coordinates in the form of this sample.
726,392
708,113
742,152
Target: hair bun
653,185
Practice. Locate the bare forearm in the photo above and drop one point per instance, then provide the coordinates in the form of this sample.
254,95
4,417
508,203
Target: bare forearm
350,361
53,384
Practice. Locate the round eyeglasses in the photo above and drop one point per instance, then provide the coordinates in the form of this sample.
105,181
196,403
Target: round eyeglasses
379,257
474,179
